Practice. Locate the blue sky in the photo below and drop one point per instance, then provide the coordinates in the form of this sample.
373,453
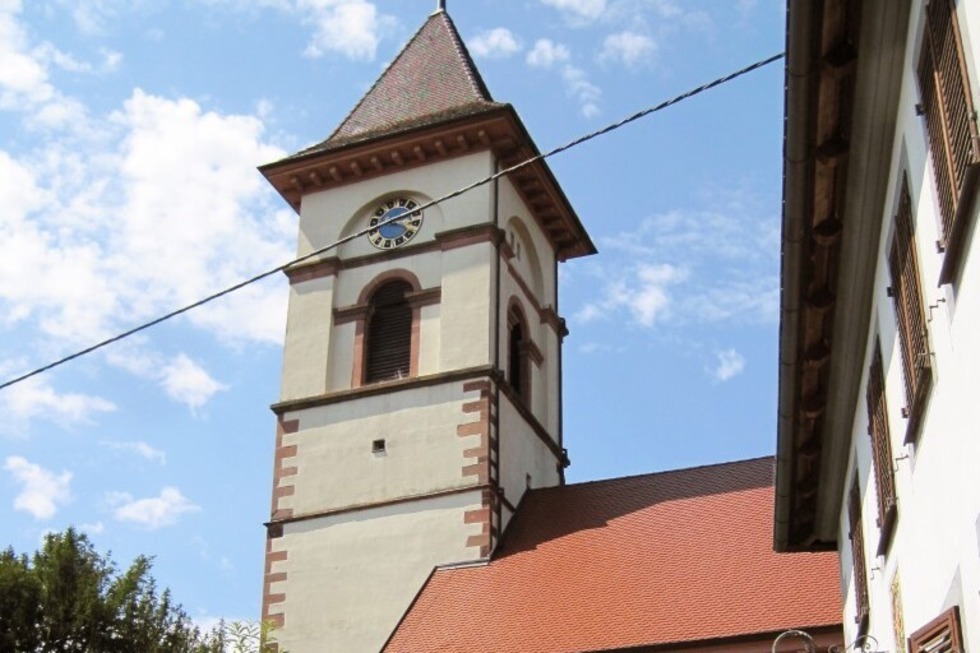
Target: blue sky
129,135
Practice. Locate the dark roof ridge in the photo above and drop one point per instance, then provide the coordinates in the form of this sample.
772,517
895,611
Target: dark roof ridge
660,473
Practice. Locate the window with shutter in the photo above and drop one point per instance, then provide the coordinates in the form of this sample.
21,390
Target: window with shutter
857,557
941,635
881,449
906,291
389,333
947,105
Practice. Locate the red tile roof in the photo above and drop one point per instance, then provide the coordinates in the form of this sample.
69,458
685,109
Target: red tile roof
646,560
432,80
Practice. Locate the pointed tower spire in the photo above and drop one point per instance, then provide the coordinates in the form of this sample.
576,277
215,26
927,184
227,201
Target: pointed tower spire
429,104
432,76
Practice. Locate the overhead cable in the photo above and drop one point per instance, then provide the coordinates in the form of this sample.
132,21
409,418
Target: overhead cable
362,232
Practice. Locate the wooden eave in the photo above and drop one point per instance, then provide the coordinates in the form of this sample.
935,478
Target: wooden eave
498,129
837,151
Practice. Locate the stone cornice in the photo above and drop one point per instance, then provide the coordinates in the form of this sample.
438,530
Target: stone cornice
498,130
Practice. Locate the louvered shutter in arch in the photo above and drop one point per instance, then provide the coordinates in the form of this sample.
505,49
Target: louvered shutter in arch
389,333
941,635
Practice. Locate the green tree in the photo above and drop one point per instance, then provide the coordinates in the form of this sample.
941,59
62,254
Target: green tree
70,599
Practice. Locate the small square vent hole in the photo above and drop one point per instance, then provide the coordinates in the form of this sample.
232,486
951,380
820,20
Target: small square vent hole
378,446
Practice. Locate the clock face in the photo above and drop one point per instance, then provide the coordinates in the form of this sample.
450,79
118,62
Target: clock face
405,223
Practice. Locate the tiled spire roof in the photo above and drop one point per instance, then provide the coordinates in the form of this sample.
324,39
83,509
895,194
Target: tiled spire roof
432,78
431,104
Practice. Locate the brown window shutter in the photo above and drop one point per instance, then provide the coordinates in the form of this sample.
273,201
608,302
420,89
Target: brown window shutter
948,108
910,312
881,449
941,635
857,556
389,333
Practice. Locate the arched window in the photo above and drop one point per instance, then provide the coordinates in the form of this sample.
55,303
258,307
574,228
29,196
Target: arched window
518,371
389,334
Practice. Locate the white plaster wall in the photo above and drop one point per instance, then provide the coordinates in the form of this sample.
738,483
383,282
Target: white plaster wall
336,466
379,557
522,453
467,287
308,331
327,215
351,575
936,546
510,205
545,384
454,335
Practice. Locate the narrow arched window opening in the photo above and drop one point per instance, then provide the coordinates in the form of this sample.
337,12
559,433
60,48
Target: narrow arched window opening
518,372
515,373
389,334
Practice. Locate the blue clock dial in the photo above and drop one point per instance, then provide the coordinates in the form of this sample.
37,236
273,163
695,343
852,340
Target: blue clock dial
397,223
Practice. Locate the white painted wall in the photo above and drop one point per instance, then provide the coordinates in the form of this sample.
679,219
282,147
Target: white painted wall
525,461
351,574
379,558
337,468
327,215
936,547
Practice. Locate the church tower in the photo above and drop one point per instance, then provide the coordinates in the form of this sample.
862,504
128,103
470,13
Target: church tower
421,386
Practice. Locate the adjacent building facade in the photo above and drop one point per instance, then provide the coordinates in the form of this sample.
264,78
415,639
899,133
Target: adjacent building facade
878,439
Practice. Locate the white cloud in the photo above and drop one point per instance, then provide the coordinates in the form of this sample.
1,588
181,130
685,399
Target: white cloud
497,43
81,243
643,293
189,383
92,16
23,79
139,448
151,513
180,377
730,253
36,399
730,364
92,529
579,87
47,54
587,10
42,491
351,28
546,53
629,48
747,300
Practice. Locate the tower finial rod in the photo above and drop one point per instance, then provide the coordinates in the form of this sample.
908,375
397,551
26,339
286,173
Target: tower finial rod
441,6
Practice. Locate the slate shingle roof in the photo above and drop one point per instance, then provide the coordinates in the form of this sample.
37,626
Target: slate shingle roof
657,559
